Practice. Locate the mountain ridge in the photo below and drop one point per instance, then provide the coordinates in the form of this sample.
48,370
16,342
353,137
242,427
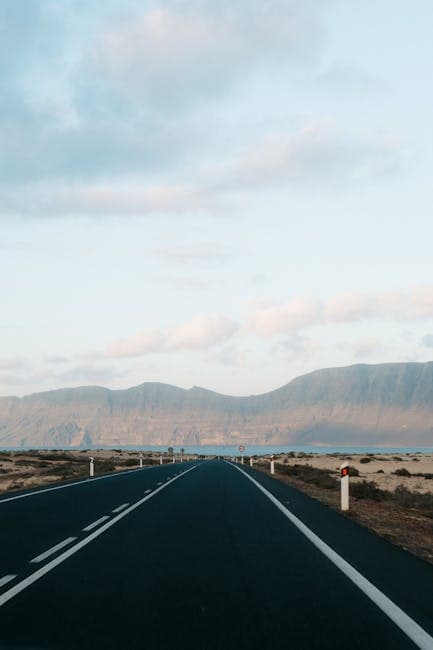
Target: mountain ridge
358,404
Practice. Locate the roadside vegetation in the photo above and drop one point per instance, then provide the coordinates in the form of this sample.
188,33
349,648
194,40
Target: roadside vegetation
34,468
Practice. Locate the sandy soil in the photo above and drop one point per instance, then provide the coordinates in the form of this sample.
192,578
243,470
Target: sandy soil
380,468
21,470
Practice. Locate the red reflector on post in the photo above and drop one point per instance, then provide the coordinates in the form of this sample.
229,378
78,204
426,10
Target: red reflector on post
344,471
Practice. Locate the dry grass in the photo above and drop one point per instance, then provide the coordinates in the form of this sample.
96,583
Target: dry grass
21,470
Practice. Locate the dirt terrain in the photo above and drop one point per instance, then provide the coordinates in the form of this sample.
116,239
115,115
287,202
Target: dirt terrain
21,470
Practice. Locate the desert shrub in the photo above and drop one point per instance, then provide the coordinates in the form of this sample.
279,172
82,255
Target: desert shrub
402,471
365,459
67,470
408,499
104,465
319,477
380,471
131,462
353,471
415,460
59,456
397,458
367,490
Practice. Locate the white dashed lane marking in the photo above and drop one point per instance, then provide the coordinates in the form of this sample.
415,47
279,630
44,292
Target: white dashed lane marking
6,579
95,523
52,550
120,508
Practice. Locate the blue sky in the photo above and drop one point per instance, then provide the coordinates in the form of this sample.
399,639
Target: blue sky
218,194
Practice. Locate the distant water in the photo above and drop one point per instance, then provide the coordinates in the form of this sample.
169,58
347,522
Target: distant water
263,450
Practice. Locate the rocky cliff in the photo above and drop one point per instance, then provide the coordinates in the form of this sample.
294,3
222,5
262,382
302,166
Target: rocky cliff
360,404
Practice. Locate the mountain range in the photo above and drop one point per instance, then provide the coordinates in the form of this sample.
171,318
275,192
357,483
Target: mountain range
385,404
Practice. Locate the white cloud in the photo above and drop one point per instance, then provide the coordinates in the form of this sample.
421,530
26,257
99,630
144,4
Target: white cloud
322,153
200,333
350,307
145,342
131,199
268,320
12,363
174,55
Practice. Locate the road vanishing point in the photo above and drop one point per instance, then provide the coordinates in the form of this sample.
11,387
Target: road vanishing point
201,555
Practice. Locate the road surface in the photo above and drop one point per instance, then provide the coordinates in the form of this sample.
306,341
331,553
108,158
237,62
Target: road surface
206,556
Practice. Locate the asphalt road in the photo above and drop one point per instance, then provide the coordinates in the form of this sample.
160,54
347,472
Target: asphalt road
199,556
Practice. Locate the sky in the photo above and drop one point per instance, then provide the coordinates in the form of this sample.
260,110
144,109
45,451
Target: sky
220,194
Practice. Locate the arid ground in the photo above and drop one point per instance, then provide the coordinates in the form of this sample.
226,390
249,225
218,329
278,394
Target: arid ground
22,470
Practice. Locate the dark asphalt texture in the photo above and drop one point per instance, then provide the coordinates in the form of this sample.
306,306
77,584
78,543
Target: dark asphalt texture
208,563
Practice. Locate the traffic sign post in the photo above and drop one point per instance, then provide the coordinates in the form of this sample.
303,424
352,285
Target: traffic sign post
344,470
242,449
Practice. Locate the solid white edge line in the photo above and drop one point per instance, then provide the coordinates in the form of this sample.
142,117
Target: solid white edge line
6,579
69,485
120,508
95,523
406,624
52,550
20,586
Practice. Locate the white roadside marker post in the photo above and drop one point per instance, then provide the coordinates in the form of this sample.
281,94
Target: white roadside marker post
344,486
141,459
272,466
242,458
251,461
160,460
92,466
174,459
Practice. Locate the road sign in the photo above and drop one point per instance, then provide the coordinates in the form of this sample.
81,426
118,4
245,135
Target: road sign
241,448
